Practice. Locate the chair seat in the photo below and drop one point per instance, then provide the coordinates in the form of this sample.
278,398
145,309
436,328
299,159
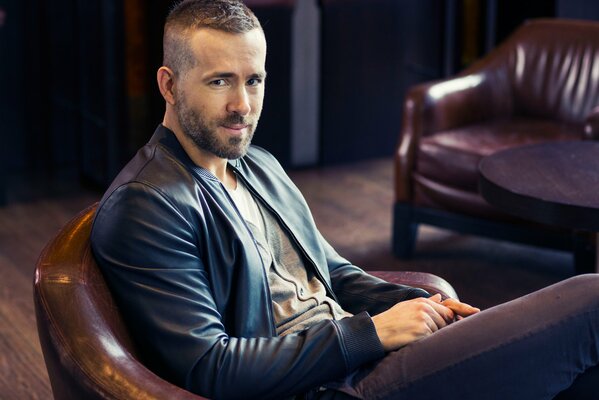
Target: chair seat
451,157
446,174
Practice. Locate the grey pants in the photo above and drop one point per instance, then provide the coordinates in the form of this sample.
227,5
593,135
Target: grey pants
530,348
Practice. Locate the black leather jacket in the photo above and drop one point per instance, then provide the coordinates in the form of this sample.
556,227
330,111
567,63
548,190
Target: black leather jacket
190,283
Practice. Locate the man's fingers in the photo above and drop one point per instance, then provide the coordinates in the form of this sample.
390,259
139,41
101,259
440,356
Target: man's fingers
432,324
445,312
459,308
441,315
436,298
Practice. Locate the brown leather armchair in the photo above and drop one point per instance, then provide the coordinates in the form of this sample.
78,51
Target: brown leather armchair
541,84
87,350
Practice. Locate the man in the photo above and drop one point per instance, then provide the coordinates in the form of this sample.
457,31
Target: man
230,291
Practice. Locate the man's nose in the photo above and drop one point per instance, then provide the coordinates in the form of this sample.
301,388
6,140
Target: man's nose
239,102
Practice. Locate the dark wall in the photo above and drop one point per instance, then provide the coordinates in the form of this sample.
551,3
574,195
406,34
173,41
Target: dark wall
511,13
578,9
274,129
67,106
79,92
12,99
26,96
371,52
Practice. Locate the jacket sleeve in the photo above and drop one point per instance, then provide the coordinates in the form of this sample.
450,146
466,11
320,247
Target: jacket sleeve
151,258
358,291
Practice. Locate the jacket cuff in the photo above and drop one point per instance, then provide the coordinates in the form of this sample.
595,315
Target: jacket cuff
360,341
417,292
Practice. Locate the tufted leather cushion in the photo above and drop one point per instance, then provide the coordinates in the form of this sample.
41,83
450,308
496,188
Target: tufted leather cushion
554,69
447,162
452,156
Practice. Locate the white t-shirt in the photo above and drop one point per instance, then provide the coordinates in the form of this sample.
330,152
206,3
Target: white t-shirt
247,206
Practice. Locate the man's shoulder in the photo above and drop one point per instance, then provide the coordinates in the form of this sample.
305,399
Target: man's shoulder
263,158
255,151
153,169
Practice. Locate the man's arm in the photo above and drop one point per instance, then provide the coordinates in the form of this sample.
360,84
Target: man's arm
401,314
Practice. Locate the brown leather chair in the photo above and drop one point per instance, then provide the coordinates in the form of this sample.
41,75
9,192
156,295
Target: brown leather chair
87,350
541,84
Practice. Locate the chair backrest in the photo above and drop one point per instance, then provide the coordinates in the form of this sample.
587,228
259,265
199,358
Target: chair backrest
552,66
87,350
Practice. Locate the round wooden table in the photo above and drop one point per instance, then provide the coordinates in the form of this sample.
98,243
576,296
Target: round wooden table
554,183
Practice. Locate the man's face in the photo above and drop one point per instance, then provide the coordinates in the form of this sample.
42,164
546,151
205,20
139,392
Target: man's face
218,102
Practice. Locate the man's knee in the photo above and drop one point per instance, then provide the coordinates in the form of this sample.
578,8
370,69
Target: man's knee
583,288
587,283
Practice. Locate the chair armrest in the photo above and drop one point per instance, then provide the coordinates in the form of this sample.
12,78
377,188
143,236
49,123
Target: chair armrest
429,282
482,92
591,125
479,93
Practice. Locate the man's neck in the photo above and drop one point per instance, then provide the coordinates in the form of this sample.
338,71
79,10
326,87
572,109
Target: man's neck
216,165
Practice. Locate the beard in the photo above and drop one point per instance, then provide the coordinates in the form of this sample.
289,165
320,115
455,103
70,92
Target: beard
197,128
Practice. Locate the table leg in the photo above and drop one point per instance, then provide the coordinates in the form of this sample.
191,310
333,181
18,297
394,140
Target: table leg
596,252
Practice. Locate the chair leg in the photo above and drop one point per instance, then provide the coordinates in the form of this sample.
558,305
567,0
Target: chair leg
405,231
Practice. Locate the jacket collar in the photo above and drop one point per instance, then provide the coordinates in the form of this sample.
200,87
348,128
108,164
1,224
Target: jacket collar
164,136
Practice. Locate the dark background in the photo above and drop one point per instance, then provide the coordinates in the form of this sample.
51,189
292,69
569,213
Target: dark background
78,76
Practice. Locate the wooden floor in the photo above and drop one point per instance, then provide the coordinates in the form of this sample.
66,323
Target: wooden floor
352,206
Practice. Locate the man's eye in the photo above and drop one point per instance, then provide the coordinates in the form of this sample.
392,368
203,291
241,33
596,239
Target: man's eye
254,82
218,82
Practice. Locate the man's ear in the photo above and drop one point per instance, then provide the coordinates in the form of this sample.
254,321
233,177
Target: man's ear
166,82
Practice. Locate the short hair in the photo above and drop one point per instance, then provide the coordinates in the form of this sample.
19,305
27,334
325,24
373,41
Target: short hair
188,16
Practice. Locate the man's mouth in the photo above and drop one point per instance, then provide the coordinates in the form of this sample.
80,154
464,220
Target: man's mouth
236,127
235,130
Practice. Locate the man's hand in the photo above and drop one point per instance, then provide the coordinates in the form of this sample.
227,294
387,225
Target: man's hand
461,310
415,319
